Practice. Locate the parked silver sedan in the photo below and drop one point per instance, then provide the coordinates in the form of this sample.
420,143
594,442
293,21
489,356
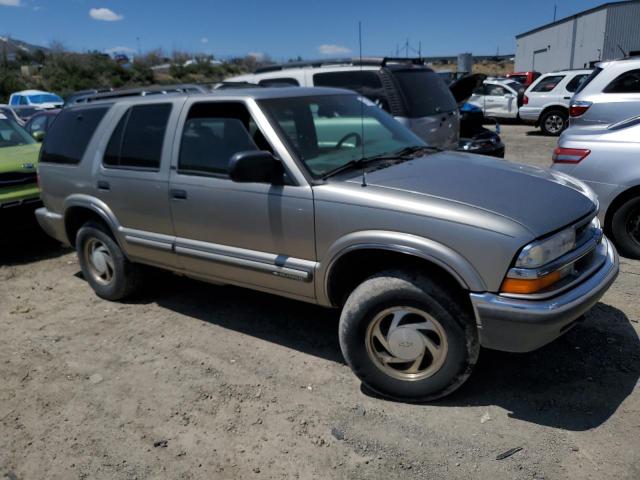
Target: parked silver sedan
608,160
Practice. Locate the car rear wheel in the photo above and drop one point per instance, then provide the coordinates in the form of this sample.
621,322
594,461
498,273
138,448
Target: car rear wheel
625,228
554,122
406,338
103,263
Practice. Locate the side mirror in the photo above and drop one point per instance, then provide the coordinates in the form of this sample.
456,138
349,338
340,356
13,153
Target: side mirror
255,166
38,135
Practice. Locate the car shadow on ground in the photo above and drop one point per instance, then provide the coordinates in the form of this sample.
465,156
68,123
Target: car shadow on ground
575,383
23,241
537,133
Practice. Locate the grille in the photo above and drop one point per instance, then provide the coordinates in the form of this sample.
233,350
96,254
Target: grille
13,179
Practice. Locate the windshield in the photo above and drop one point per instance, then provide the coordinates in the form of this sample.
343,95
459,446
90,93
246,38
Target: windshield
425,92
12,134
45,98
326,132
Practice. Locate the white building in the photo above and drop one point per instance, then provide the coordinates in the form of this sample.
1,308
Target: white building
609,31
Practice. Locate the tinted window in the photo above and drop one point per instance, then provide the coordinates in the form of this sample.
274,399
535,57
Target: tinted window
279,82
425,92
628,82
70,134
38,123
212,134
575,82
519,78
138,138
547,84
365,82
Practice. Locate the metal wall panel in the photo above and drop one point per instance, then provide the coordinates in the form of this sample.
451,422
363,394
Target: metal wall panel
623,28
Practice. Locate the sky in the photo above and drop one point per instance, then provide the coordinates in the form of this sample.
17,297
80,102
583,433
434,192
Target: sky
282,29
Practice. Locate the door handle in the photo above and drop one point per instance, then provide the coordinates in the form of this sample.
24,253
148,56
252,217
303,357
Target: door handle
178,194
567,98
102,185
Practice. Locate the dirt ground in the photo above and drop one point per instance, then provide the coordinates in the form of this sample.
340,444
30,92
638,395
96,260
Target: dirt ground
193,381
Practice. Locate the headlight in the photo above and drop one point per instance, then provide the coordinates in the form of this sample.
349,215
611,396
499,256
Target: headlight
470,146
544,251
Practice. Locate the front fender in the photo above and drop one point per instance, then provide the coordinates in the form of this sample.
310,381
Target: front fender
454,263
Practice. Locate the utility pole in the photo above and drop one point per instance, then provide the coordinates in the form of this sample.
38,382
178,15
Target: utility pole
555,10
406,48
139,48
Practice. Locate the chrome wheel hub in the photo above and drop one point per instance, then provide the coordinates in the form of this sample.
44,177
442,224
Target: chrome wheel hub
406,343
554,123
99,261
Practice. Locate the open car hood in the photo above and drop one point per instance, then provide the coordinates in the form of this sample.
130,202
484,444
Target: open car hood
463,88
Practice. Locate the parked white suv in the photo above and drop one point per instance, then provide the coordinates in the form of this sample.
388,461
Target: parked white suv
546,101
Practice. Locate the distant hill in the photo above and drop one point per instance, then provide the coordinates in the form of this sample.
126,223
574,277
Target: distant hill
13,46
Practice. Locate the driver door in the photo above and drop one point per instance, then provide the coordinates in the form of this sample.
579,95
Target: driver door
251,234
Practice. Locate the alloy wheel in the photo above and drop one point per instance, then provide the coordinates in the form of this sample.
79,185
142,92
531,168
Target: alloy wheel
554,123
99,261
406,343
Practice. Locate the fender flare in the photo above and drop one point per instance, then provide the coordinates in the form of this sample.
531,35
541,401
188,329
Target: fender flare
448,259
98,207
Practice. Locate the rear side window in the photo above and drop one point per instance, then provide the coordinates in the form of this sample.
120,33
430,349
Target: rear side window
365,82
547,84
138,138
70,134
628,82
575,82
425,93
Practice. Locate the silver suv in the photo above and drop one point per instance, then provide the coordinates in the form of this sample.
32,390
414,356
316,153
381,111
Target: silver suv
611,94
319,195
413,93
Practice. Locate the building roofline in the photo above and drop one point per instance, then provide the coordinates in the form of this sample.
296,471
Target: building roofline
577,15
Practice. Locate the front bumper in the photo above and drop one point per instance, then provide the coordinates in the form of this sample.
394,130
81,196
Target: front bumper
519,325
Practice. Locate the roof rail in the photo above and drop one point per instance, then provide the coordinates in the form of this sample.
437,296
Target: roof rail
364,61
183,89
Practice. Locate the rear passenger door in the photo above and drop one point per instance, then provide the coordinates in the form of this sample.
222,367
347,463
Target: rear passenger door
254,234
133,178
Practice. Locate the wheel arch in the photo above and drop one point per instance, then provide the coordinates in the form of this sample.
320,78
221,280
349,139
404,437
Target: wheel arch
616,203
79,209
353,261
548,108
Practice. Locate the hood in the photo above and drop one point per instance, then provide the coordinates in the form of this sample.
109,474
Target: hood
22,158
540,200
463,88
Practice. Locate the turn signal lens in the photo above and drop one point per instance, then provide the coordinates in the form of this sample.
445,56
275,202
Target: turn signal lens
569,155
533,285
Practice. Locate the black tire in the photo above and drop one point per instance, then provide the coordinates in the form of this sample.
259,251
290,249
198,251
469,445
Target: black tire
554,122
121,277
399,289
625,228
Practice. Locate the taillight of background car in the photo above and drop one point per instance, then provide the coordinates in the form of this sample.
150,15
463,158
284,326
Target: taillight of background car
578,108
525,100
569,155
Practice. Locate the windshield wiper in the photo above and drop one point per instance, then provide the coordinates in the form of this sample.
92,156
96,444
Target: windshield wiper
403,154
358,162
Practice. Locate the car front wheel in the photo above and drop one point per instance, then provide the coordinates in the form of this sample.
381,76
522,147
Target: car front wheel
406,338
111,275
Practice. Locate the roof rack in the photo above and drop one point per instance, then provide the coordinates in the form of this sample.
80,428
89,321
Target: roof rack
364,61
107,94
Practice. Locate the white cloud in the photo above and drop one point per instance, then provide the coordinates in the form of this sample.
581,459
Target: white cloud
10,3
104,14
329,49
114,50
204,40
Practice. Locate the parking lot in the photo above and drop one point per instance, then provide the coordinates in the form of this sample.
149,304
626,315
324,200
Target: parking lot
190,380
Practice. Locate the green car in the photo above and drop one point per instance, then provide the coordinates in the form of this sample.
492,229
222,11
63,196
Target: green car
18,164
